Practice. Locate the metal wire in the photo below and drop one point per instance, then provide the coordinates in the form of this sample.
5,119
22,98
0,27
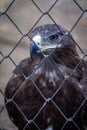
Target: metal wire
4,57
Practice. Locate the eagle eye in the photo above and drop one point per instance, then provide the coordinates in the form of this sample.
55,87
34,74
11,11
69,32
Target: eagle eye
54,37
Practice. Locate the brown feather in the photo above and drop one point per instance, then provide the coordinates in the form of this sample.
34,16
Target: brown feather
48,74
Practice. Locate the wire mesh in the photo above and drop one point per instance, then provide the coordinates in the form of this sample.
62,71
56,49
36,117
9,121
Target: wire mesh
23,35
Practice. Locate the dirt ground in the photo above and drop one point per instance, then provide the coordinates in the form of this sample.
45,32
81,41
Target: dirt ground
25,14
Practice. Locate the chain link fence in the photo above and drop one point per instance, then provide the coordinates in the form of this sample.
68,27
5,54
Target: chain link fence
23,35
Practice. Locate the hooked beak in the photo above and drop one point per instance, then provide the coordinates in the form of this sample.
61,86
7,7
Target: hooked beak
33,49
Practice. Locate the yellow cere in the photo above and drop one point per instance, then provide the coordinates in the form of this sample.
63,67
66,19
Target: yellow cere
37,39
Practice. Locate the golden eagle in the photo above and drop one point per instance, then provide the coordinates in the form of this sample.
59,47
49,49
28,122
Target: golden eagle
48,91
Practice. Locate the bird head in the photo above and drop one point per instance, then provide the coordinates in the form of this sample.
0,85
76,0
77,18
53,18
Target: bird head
49,37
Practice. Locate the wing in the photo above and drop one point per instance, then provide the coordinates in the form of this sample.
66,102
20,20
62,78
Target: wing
83,83
31,96
84,115
18,93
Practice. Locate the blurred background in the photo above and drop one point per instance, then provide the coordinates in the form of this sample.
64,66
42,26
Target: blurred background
23,14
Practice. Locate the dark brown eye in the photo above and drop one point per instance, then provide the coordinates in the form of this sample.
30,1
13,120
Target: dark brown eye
53,37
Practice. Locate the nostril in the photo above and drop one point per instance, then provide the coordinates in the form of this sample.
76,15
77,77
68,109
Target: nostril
38,43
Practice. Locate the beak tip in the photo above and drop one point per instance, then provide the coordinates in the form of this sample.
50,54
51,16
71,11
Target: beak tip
33,49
